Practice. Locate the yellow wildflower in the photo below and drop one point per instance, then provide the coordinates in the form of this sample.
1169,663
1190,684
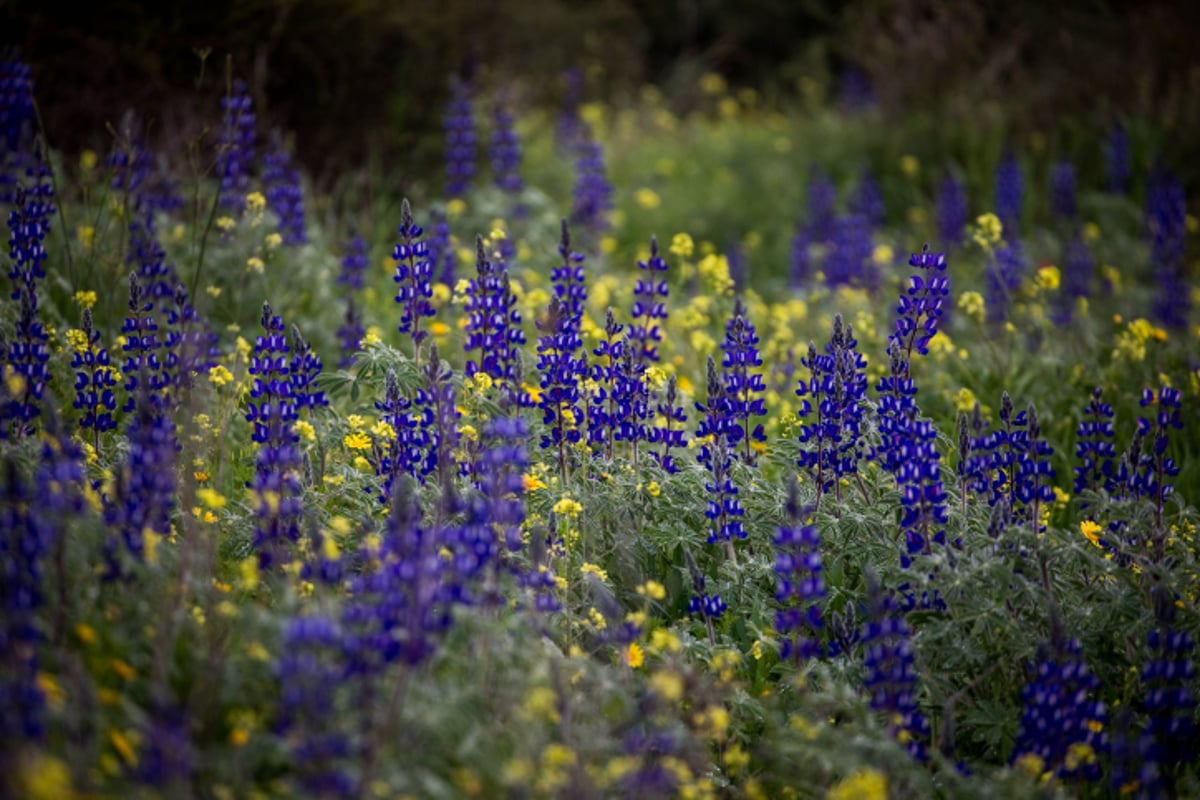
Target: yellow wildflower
1091,530
589,568
1048,278
124,747
568,507
256,264
272,240
668,685
456,207
647,198
305,430
255,202
868,784
532,482
971,304
357,441
634,655
652,589
682,245
85,299
712,83
225,224
219,375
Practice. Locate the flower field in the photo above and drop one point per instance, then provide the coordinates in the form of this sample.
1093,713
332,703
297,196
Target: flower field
755,450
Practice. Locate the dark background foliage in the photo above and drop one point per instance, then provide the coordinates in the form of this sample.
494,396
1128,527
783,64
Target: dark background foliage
359,78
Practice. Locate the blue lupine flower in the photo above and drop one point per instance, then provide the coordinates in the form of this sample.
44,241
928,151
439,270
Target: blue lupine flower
568,130
923,512
235,154
17,123
1118,163
822,196
304,373
354,267
310,672
459,123
399,605
799,587
441,250
670,411
1076,277
505,152
167,759
1062,190
272,409
561,371
833,396
631,399
493,321
718,432
801,266
743,389
145,489
891,680
952,210
1166,222
94,381
921,305
409,453
27,536
156,275
438,399
145,190
649,307
28,352
601,404
593,192
1004,273
414,273
867,201
1094,446
143,368
1170,701
16,99
709,606
896,392
1010,193
1150,476
849,261
855,91
285,195
1061,722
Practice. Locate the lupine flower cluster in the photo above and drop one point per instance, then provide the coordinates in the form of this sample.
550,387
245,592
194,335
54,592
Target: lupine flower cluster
143,368
1094,447
441,253
414,273
1169,677
28,351
743,389
593,192
493,321
923,498
235,155
272,409
1062,191
1150,476
16,123
952,209
459,123
351,332
1118,165
1166,223
285,195
94,379
833,396
1062,724
921,305
1005,271
505,152
891,680
849,261
649,306
799,585
1010,192
561,370
601,403
1012,462
867,201
1076,277
670,413
309,673
139,512
146,191
408,451
718,432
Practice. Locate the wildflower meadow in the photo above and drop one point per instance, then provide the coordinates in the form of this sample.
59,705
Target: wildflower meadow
765,449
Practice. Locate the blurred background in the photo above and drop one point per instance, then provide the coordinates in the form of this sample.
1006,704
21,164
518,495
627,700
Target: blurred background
363,81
